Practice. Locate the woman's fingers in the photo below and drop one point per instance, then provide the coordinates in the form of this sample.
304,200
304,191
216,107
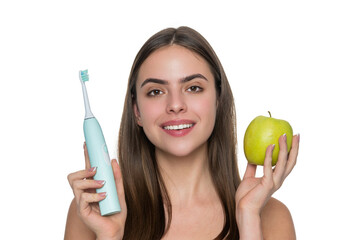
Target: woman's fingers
86,155
79,184
293,154
119,183
117,175
286,161
87,173
87,184
268,173
86,198
282,162
250,170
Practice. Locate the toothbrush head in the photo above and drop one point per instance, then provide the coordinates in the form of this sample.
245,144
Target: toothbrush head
84,76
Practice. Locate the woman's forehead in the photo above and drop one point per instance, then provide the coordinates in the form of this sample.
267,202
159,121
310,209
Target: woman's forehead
173,62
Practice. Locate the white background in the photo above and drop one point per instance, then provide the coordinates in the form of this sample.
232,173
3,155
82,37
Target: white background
298,59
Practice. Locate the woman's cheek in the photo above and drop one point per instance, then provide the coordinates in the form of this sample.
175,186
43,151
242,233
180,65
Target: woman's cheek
206,108
149,113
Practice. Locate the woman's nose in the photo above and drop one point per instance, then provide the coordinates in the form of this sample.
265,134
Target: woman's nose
176,103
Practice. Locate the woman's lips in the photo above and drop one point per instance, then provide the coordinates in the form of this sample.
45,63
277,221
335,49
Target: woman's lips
178,128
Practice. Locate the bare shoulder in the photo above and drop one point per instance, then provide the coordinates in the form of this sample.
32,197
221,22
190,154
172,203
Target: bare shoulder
276,221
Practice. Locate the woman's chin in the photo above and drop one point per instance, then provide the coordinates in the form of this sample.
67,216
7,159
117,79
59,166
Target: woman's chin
181,151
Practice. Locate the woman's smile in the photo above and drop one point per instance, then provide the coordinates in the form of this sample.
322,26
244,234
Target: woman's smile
178,128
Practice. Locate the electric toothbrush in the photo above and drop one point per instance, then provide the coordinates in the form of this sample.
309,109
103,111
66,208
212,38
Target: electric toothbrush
99,155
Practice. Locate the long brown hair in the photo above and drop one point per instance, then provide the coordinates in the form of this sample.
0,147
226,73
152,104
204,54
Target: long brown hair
145,191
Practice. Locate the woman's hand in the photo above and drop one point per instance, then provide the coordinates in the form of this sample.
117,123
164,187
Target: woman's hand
253,193
83,185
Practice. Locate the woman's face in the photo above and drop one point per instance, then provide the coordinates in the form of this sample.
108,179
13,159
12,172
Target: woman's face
176,100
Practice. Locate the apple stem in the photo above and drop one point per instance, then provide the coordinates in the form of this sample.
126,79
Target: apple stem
269,113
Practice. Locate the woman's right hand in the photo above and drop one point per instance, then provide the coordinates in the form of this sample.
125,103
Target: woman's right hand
83,186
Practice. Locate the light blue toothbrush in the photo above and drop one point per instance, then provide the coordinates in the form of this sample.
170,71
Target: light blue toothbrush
99,155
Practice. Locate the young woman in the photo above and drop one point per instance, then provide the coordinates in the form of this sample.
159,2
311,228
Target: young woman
178,176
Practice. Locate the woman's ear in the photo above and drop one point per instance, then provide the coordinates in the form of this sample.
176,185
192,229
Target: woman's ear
137,114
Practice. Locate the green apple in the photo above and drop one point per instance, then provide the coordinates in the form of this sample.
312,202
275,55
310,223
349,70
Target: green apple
262,132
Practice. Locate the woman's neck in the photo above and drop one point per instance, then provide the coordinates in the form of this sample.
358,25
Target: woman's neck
187,178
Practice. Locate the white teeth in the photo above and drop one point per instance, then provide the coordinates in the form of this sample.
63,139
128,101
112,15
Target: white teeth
178,127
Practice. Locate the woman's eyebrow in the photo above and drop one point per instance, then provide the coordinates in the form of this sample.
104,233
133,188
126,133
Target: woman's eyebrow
191,77
165,82
154,80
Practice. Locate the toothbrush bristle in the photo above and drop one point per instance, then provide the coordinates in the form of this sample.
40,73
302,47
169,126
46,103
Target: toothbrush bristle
84,75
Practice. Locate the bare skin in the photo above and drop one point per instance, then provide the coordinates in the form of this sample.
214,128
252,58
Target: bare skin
205,213
276,223
176,86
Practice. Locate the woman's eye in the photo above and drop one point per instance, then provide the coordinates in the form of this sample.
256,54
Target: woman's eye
194,89
154,92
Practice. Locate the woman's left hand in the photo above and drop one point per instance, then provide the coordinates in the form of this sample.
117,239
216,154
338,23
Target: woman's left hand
253,193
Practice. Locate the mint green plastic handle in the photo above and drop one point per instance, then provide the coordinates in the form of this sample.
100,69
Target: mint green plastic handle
99,157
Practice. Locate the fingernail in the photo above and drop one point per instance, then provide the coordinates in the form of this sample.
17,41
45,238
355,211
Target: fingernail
298,136
93,169
272,147
103,194
284,135
101,182
84,144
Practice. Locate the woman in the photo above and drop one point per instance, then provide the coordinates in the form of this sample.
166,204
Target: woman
177,151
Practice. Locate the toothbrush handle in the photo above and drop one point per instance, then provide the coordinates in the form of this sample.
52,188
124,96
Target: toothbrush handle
99,157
